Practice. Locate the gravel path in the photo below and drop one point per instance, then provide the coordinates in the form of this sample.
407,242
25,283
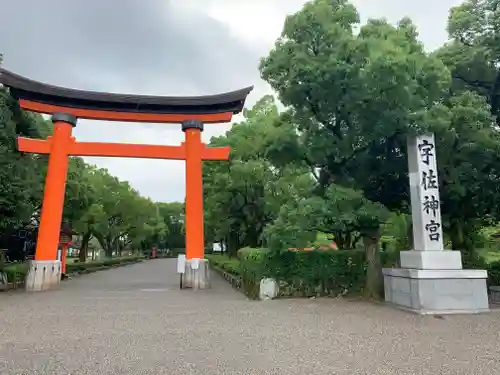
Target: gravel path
135,320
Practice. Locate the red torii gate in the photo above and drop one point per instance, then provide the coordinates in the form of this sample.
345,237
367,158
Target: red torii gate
67,105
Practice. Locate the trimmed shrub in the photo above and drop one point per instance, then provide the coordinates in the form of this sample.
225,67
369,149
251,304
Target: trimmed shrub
493,273
317,273
303,273
309,273
101,264
224,263
253,268
16,272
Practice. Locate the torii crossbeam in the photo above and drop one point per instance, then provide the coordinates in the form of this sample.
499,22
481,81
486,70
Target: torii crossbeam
66,105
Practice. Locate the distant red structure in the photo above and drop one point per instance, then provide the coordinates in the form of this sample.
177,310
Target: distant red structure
65,240
332,246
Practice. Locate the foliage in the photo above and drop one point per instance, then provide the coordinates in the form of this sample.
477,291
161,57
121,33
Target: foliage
472,56
318,273
245,195
16,273
20,189
173,218
223,262
353,94
101,264
493,273
311,273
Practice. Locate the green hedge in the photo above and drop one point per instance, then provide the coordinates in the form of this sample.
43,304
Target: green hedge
101,264
308,273
16,273
223,262
299,273
493,269
317,273
253,268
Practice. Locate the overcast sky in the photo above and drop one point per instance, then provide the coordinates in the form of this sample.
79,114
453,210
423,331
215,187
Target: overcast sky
163,47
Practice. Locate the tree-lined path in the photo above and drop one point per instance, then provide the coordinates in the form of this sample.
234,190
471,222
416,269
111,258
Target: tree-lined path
135,320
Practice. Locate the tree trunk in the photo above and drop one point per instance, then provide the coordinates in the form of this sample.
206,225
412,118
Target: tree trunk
233,244
374,287
84,247
409,233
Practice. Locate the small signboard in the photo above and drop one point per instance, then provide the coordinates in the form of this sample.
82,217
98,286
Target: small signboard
65,239
181,263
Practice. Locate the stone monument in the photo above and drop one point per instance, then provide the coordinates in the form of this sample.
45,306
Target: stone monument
431,279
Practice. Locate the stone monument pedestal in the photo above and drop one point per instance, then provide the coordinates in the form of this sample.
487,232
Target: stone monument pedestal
196,274
431,260
433,282
436,291
43,275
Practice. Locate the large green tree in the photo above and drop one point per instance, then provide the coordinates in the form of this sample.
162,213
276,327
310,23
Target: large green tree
245,195
355,96
21,175
473,52
173,218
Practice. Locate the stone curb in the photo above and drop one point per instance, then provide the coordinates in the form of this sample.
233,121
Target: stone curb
235,281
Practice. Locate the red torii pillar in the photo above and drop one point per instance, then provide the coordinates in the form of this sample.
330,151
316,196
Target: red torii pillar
195,244
196,272
55,186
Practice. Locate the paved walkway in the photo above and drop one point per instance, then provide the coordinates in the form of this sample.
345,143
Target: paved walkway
135,320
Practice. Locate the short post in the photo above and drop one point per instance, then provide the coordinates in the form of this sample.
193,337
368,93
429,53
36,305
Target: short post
181,268
63,260
431,279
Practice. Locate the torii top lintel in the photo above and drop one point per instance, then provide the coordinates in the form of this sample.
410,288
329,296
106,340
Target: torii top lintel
43,98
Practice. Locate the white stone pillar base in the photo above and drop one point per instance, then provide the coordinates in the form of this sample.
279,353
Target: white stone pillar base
436,291
43,275
196,275
431,260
